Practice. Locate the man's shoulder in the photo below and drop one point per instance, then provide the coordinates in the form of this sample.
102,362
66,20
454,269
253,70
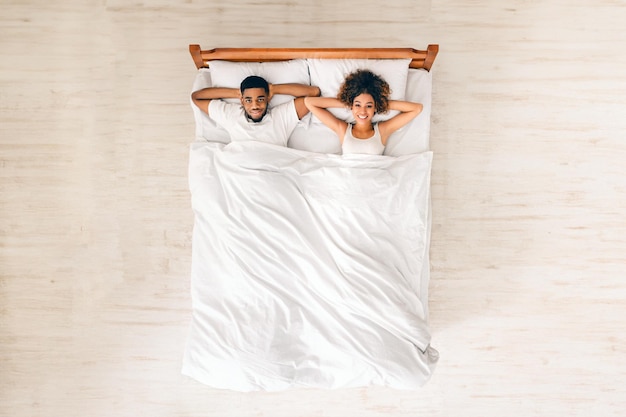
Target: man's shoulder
286,104
223,104
225,108
283,108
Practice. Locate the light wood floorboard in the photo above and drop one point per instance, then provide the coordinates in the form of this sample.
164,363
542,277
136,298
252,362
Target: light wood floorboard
528,292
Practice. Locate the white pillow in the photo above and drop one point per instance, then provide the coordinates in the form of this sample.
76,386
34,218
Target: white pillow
231,74
329,74
206,128
411,139
415,136
316,137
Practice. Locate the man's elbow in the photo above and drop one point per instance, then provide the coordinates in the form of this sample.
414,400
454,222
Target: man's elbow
202,104
194,101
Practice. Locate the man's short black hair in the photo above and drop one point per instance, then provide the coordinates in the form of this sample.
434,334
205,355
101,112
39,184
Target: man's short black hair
254,81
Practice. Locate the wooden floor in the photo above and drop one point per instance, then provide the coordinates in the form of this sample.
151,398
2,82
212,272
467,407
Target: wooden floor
528,289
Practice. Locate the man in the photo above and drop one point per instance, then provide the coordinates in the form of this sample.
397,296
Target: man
253,119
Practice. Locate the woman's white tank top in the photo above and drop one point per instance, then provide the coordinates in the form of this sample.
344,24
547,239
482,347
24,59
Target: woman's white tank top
371,146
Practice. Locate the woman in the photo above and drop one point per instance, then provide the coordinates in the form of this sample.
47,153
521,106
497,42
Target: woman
366,94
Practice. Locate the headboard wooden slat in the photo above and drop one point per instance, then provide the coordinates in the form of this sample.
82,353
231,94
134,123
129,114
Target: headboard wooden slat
419,58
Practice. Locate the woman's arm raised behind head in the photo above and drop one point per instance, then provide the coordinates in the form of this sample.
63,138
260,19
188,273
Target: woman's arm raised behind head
408,111
319,105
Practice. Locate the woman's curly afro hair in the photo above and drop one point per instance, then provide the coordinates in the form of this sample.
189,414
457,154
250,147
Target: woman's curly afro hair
365,82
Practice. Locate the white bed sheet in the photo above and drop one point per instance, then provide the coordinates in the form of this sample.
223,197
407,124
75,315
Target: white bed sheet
308,269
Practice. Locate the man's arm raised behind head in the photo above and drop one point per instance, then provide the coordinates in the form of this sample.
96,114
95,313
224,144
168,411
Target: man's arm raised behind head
296,90
202,98
299,91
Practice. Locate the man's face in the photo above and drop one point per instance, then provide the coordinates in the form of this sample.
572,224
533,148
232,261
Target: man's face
254,101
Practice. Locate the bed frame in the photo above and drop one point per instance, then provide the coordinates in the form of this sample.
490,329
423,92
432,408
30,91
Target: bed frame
419,58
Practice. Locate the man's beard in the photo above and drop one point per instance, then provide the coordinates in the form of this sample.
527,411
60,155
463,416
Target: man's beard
256,120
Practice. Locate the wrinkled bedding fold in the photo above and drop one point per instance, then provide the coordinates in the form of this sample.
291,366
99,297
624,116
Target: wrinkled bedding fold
308,270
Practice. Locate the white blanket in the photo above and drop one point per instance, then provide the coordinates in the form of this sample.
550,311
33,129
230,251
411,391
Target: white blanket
308,270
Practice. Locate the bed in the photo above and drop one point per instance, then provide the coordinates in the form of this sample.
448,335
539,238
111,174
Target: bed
310,269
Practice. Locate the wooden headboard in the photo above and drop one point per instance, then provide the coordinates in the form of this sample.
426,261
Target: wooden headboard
419,59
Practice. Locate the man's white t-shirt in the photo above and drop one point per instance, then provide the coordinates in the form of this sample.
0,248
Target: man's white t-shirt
275,127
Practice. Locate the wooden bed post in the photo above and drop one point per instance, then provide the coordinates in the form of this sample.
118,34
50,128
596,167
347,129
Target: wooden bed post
431,53
196,54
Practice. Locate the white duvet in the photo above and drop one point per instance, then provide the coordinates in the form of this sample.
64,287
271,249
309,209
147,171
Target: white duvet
308,270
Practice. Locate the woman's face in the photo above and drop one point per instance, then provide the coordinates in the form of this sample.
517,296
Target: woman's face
363,108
